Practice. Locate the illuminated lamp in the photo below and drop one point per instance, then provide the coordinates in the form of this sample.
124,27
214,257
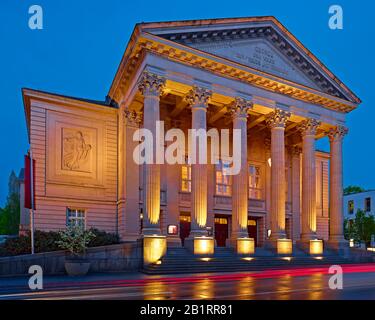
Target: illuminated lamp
245,246
284,246
351,243
154,248
204,245
316,246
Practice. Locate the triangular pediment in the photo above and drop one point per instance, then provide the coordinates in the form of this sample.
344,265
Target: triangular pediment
258,54
261,43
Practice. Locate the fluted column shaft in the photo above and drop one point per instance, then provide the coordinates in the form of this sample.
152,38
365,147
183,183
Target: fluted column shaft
240,181
198,100
308,130
277,121
336,223
296,192
151,87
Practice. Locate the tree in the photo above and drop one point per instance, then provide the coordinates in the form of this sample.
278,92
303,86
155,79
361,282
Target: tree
361,228
353,189
10,215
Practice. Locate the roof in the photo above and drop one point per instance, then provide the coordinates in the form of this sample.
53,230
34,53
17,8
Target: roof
160,29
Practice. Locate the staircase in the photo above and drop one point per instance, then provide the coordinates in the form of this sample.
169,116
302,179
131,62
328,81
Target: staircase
180,260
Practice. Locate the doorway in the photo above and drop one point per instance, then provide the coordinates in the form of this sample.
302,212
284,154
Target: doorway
185,225
221,230
252,229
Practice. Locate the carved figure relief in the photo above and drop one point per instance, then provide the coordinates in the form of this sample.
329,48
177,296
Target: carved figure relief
75,150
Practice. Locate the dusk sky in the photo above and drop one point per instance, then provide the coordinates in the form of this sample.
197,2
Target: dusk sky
81,45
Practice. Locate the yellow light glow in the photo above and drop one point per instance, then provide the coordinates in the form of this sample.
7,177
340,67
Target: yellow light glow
154,248
204,245
351,243
316,246
318,258
158,262
245,246
248,258
371,249
206,259
284,246
287,258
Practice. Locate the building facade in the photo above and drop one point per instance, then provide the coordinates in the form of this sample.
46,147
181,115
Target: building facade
359,201
249,74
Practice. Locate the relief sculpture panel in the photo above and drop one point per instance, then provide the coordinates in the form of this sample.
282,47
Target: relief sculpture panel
76,150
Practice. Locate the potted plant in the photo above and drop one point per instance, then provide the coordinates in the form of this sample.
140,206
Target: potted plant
75,239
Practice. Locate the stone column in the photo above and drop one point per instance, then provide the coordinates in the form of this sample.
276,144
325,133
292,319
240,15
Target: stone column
336,222
308,131
239,110
277,121
198,100
151,87
296,192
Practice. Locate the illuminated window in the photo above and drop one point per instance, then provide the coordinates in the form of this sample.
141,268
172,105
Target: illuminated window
185,218
368,204
223,180
75,217
251,222
255,191
221,221
351,206
186,178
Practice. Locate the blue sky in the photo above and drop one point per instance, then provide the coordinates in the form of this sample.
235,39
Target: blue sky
80,47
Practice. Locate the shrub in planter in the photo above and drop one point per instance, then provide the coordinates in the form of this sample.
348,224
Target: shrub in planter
75,239
48,241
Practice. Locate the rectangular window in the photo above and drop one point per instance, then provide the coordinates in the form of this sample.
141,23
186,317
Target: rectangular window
351,206
223,180
75,217
368,204
255,191
186,178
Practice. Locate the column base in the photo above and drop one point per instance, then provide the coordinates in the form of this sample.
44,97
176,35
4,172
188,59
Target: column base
245,246
280,246
312,247
154,248
200,245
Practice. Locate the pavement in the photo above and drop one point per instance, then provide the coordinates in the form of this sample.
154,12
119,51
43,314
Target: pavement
310,283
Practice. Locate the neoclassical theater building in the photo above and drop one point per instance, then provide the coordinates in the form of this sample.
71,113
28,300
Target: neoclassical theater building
249,74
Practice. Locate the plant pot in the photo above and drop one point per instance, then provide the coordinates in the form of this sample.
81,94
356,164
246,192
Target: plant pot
77,267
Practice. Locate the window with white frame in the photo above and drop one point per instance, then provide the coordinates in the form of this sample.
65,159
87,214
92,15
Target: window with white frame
75,217
186,178
223,180
255,188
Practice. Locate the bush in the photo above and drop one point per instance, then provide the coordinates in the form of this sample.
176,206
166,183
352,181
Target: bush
48,241
103,238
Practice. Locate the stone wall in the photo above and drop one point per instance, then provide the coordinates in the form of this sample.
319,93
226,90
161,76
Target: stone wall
119,257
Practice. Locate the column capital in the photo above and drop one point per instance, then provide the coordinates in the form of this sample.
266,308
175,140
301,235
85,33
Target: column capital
150,84
277,118
337,133
308,127
239,108
198,97
132,117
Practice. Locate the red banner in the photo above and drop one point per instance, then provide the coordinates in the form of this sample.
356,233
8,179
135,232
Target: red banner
28,183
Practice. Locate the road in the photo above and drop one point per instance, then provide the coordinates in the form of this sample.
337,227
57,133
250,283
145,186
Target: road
301,283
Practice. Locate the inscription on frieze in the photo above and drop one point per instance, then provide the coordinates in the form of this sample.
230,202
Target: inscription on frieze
257,54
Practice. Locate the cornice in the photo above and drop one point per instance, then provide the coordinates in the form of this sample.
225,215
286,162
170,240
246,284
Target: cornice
187,55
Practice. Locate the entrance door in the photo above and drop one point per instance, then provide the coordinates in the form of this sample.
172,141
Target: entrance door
252,229
221,230
184,226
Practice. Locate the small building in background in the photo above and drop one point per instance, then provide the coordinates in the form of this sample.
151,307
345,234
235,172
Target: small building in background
364,201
